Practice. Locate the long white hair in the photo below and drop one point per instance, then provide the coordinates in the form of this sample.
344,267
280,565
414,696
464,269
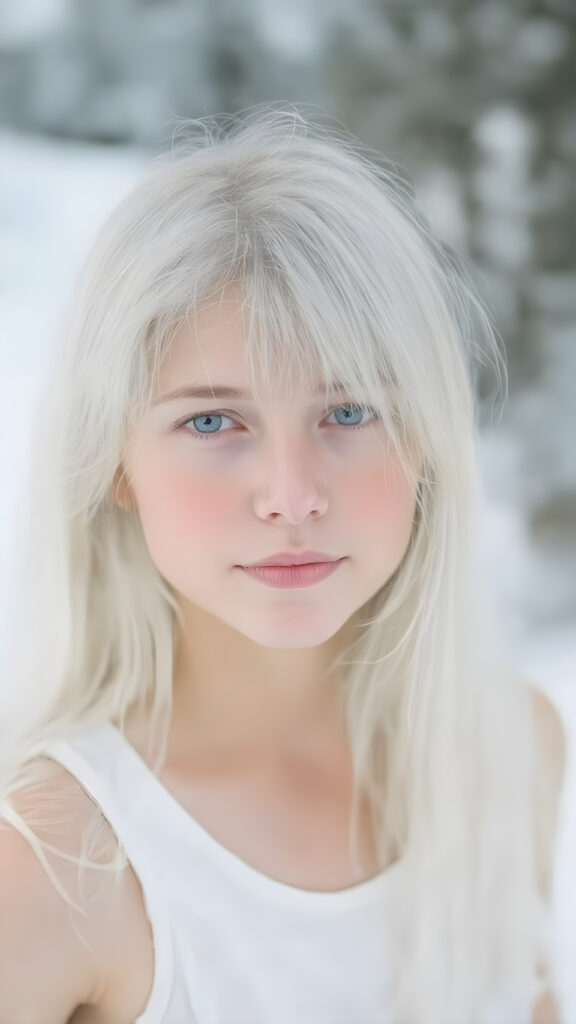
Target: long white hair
340,273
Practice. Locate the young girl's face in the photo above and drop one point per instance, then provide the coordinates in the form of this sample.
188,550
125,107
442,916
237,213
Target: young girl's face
255,482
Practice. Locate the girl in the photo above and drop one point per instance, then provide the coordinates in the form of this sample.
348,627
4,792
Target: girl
312,793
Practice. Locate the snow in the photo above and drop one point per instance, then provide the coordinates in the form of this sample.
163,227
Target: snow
22,22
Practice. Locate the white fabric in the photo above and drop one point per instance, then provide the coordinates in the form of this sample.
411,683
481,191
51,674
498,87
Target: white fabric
234,946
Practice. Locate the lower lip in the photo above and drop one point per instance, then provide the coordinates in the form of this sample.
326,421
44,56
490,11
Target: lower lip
288,576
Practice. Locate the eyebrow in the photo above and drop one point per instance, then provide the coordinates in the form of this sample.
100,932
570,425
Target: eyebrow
225,391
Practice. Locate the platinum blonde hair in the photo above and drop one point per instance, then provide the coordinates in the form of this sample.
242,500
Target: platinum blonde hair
340,275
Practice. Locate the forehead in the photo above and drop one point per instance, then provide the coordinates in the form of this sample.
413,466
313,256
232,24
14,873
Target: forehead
210,349
212,338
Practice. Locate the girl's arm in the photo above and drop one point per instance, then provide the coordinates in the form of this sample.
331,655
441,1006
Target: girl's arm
55,959
45,971
553,747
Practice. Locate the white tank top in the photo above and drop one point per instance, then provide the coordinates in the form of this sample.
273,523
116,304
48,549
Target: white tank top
232,945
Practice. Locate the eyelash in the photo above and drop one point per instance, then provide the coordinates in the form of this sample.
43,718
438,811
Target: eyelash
219,412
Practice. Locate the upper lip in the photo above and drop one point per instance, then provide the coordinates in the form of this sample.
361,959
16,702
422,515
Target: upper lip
294,558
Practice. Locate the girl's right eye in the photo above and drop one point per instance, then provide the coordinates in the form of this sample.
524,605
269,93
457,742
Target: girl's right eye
211,416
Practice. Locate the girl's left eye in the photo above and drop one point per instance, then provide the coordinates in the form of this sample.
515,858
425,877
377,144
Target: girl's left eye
219,415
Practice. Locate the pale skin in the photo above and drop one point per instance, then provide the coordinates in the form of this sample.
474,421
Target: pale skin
257,745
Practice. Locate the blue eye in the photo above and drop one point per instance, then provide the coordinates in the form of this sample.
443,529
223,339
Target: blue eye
355,410
214,421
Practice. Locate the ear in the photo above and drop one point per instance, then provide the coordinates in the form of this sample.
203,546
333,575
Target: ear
120,493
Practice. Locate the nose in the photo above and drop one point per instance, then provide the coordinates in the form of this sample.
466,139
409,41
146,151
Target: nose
293,487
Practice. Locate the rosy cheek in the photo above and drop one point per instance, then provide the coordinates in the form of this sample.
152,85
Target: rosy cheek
197,505
381,496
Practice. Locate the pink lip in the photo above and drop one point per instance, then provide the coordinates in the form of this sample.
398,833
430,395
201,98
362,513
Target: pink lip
294,558
286,577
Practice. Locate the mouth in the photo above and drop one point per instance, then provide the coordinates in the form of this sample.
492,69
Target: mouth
284,559
293,576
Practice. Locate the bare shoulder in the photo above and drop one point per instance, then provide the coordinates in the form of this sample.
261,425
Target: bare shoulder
65,933
550,769
551,743
551,734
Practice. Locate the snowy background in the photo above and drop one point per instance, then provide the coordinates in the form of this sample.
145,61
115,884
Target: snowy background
88,92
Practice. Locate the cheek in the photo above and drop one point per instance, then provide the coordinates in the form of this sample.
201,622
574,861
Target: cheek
175,506
198,504
383,499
